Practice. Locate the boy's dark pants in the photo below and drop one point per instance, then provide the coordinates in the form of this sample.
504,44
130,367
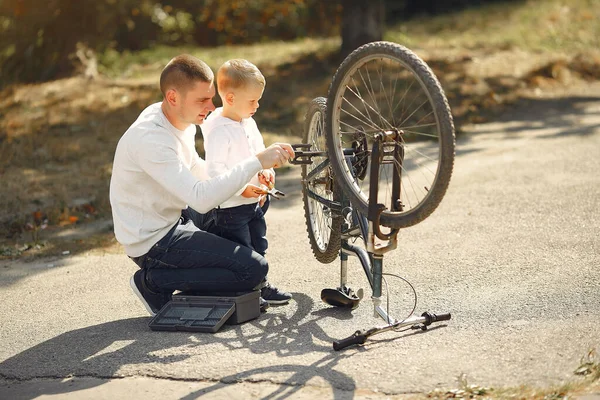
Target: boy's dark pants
243,224
189,258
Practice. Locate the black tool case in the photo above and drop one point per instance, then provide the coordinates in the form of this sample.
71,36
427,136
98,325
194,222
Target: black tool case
201,313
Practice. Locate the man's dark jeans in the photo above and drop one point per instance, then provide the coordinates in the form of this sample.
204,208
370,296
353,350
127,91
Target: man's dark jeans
189,258
243,224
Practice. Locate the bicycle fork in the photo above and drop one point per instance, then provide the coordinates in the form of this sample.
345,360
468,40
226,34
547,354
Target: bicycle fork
378,155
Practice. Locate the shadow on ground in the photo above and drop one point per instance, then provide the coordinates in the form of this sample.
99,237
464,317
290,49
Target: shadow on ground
129,348
560,117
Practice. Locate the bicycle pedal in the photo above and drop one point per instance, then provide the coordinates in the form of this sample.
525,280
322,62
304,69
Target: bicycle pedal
337,298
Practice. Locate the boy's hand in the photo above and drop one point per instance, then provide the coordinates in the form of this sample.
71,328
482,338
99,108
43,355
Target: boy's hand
253,191
275,155
267,177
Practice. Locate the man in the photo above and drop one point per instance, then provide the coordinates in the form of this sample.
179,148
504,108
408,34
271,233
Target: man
160,190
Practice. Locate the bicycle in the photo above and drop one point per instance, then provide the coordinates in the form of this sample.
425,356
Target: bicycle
377,153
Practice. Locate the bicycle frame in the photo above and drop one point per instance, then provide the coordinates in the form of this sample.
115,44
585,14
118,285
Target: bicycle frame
359,225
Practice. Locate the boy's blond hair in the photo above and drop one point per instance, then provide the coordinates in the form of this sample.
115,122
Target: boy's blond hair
238,73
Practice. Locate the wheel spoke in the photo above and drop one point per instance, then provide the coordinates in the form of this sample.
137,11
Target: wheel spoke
371,94
407,177
389,100
421,134
412,113
360,120
357,95
402,98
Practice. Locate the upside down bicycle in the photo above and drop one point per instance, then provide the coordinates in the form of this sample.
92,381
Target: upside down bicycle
377,155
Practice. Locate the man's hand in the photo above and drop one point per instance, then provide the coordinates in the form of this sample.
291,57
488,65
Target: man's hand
253,191
275,155
267,177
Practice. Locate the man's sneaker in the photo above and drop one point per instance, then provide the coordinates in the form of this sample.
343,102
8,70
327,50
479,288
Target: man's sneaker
273,295
262,303
151,300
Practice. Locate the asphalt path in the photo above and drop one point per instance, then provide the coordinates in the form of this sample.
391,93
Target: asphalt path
512,252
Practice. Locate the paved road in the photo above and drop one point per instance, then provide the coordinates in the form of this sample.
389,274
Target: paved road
512,253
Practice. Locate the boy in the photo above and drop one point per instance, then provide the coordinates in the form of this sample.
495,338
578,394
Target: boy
231,135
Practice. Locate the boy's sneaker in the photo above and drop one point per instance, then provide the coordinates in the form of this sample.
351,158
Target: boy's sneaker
151,300
273,295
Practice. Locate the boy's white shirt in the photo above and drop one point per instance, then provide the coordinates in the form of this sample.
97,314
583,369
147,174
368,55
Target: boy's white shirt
157,172
226,143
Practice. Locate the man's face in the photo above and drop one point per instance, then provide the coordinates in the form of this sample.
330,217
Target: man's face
197,103
245,101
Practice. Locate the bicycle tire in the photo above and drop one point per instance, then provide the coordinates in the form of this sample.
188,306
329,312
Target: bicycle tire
434,129
323,226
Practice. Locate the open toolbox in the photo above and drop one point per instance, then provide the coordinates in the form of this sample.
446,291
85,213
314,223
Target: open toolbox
201,313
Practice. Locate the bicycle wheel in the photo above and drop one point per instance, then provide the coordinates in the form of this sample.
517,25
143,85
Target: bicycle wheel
323,226
384,87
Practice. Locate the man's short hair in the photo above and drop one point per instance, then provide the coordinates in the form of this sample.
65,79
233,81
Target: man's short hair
237,73
182,72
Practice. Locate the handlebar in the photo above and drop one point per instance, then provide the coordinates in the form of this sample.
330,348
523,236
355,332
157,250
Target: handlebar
359,337
304,154
431,318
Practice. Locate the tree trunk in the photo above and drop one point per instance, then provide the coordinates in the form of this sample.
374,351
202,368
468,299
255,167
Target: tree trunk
362,22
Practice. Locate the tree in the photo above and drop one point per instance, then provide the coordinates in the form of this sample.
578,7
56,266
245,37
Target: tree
39,40
363,21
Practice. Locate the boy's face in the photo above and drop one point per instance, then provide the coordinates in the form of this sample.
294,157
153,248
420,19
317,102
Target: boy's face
244,101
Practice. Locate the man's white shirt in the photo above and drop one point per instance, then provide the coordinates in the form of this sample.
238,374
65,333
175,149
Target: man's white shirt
157,172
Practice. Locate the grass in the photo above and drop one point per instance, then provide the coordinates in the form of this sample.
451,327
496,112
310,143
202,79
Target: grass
57,139
533,25
268,55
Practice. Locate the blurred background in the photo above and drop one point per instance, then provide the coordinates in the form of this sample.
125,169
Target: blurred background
74,74
41,39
